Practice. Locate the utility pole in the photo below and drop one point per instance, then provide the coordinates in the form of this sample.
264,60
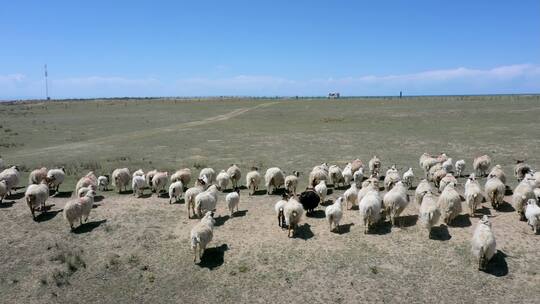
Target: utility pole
46,84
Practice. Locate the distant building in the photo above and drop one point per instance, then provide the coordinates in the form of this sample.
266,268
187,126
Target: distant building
333,95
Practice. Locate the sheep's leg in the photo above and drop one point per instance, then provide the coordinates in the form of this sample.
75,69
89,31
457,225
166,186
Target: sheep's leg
289,232
195,254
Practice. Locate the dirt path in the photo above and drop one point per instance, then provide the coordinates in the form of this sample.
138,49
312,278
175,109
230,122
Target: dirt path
140,133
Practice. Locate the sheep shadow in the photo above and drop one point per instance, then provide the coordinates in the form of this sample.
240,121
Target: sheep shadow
279,191
88,227
329,191
240,213
47,215
125,192
355,207
15,196
260,192
505,207
5,204
407,220
63,194
381,188
98,198
383,227
221,220
497,266
508,191
343,229
304,232
342,187
180,201
440,233
482,211
213,257
413,188
327,203
316,214
242,187
145,195
228,190
461,221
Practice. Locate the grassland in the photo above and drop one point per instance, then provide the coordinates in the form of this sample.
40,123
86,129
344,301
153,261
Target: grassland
135,250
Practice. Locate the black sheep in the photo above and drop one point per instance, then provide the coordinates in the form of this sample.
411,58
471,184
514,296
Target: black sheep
309,200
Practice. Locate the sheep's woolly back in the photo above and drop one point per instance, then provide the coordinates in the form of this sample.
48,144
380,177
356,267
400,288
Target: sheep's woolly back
423,186
56,176
208,174
293,212
498,172
449,203
483,241
202,233
11,176
72,212
37,176
370,208
429,212
37,194
532,214
334,212
522,193
234,173
121,177
274,177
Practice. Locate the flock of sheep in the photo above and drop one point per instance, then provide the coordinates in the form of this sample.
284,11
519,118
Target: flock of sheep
436,194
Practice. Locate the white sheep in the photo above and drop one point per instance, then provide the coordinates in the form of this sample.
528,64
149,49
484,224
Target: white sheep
408,178
139,172
175,191
494,189
149,176
291,182
183,175
351,195
481,165
356,165
358,177
293,212
190,196
447,179
233,199
159,182
235,174
336,176
522,193
206,200
318,174
473,194
334,213
532,214
460,167
427,162
279,208
374,165
3,190
56,178
138,184
36,196
365,190
274,179
347,174
391,178
449,203
423,187
89,180
370,209
82,192
537,193
222,180
38,175
253,179
121,178
103,182
483,244
322,190
72,213
429,212
87,202
521,169
11,176
201,235
497,171
536,179
208,175
395,201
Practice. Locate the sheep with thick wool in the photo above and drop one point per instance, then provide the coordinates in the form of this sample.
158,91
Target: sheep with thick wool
292,212
291,182
532,214
279,208
206,200
208,175
347,173
319,173
149,176
481,165
473,194
191,194
89,180
498,172
253,179
56,178
222,180
522,193
447,179
334,213
494,190
350,196
138,184
429,212
73,213
336,175
374,165
448,165
460,167
38,175
395,201
183,175
36,196
391,178
139,172
274,179
233,200
103,182
449,203
322,190
121,179
423,187
408,178
370,209
521,169
201,235
235,174
87,202
159,182
3,190
358,177
175,191
11,176
483,244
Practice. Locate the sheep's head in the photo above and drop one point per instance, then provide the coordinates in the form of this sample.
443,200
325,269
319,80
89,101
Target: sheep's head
485,221
531,202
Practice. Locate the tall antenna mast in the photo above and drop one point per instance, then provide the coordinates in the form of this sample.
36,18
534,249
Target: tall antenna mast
46,84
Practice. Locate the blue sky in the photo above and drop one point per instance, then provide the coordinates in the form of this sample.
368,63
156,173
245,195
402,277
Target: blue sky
207,48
